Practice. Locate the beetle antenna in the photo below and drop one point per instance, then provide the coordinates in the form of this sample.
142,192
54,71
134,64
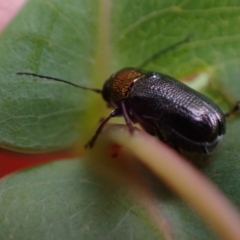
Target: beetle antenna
163,51
59,80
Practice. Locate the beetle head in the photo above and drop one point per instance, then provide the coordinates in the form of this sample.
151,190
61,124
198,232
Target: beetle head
117,87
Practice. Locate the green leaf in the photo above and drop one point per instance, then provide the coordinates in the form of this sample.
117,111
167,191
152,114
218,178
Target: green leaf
66,200
84,42
63,200
55,38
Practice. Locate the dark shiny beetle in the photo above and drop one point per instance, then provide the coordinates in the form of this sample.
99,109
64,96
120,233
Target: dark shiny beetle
180,116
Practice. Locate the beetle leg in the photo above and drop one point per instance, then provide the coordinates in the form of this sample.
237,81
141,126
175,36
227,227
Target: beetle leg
234,110
127,118
115,113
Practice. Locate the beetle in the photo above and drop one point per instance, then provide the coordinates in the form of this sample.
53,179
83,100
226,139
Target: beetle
178,115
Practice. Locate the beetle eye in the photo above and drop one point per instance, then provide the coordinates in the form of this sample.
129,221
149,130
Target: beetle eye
105,91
